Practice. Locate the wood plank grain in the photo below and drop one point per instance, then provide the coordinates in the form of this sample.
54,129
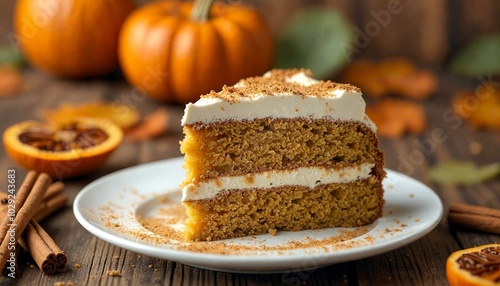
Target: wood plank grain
431,45
473,19
405,28
420,263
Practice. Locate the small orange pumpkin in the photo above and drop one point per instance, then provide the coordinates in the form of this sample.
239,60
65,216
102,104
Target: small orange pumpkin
176,51
71,38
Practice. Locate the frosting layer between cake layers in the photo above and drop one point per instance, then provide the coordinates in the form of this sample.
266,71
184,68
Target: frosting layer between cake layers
303,176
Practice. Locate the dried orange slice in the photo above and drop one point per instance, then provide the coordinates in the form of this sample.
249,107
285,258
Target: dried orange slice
474,266
67,149
123,115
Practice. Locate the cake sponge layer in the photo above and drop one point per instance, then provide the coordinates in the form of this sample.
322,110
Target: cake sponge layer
256,211
243,147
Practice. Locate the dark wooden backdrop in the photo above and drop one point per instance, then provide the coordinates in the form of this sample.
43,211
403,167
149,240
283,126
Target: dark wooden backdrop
428,31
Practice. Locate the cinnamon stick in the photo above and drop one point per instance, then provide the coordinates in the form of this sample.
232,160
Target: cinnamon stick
23,217
19,199
49,206
474,217
39,250
53,200
54,189
61,257
50,258
47,255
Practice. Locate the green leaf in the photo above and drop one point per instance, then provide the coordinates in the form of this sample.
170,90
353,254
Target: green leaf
481,57
318,39
11,56
463,173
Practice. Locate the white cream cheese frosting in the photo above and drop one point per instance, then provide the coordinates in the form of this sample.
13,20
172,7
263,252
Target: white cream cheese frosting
303,176
302,79
341,103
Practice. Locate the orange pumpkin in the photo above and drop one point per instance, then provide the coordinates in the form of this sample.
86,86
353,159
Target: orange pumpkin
71,38
176,51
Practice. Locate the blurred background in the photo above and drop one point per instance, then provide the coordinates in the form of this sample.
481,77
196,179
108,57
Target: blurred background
430,32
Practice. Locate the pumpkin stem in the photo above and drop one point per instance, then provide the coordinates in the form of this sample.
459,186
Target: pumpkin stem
201,10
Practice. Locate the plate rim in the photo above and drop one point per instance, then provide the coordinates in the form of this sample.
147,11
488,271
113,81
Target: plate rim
239,263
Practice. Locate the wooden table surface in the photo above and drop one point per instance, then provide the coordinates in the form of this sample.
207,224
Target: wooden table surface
419,263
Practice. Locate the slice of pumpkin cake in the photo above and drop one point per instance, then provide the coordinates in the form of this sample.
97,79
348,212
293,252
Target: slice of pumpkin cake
279,152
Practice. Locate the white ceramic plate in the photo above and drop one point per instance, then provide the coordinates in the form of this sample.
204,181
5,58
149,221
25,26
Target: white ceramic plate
412,210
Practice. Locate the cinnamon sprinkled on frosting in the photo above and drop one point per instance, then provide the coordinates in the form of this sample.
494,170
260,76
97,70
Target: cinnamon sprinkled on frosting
279,82
279,94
